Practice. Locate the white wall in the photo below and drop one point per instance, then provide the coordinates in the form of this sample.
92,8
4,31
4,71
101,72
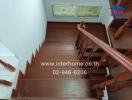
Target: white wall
5,91
22,27
50,17
7,56
106,16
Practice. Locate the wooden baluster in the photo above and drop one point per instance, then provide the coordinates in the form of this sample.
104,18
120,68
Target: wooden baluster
94,68
81,44
121,29
8,66
4,82
84,50
94,49
78,40
104,57
120,77
80,36
102,61
86,45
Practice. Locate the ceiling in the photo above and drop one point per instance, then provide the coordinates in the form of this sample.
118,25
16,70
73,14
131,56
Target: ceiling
104,4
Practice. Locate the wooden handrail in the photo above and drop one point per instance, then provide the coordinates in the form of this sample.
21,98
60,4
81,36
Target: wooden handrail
8,66
5,82
121,29
129,52
116,55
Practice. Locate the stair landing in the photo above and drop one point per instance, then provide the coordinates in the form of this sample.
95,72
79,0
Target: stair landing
124,42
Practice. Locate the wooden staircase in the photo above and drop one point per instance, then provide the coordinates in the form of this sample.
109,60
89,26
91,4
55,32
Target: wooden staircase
51,82
40,82
120,35
82,42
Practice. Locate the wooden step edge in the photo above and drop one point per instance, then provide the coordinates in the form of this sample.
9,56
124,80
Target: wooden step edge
52,98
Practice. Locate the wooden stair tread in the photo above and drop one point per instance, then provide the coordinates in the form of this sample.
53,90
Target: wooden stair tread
50,98
58,49
99,77
47,73
99,33
58,45
59,52
55,88
54,58
124,42
61,34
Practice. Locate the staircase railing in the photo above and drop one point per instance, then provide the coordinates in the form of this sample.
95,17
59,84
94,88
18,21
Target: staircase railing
121,29
10,68
7,66
116,55
5,82
112,53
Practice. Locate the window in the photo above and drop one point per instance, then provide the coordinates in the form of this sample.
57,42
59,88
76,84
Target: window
76,11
